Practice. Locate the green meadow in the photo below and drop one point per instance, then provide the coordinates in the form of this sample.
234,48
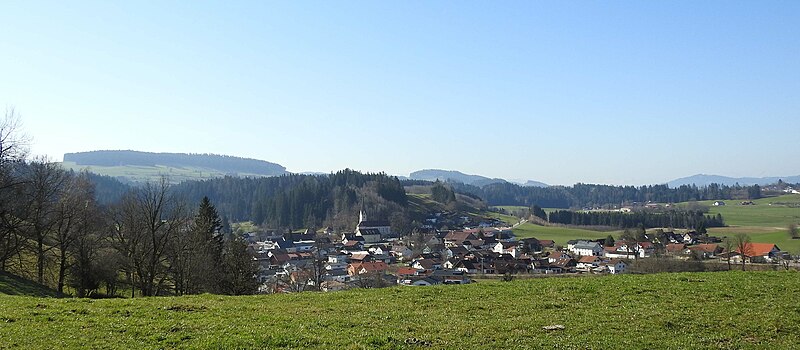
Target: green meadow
559,234
722,310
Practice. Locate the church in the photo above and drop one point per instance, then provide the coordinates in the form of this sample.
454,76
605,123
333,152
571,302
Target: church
372,231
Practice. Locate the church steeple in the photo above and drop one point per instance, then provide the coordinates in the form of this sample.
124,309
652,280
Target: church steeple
362,216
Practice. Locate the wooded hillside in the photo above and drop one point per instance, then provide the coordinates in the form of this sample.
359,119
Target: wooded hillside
221,163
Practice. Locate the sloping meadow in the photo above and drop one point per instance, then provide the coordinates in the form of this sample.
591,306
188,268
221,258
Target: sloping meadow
726,310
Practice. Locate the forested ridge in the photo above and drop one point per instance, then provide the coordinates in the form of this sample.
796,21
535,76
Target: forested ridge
298,201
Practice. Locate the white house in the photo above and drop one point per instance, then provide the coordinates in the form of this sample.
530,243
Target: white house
507,248
614,266
586,248
588,263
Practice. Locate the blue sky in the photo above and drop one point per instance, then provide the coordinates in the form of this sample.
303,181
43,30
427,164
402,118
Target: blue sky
621,92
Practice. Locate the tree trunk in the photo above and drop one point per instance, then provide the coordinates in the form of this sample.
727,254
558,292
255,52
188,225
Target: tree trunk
62,270
130,282
40,262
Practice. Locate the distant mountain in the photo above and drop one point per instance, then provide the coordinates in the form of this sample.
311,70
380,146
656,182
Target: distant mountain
137,166
452,175
457,176
704,180
531,183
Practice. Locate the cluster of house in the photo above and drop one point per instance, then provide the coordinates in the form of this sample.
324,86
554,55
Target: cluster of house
678,245
372,256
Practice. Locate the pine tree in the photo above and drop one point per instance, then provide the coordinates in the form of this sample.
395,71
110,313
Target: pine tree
201,254
609,242
239,269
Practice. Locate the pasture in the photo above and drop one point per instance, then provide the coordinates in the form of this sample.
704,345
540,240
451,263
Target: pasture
722,310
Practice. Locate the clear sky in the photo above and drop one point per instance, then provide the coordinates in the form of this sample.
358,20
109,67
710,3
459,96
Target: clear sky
618,92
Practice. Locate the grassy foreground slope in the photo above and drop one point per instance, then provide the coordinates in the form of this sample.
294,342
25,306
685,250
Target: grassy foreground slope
730,310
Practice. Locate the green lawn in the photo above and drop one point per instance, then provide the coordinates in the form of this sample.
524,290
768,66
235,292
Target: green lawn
724,310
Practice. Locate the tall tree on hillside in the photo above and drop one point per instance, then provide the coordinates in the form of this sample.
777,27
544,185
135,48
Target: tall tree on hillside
539,212
239,269
45,183
91,263
146,223
794,233
127,233
728,247
195,255
13,150
76,213
743,246
609,242
442,193
164,217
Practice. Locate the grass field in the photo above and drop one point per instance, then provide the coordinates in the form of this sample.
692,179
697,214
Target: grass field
766,221
559,234
774,212
724,310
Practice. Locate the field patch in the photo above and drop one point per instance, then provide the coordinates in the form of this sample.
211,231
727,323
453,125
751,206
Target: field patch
560,234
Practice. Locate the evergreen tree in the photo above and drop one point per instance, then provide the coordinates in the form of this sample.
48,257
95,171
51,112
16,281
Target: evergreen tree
239,269
207,241
539,212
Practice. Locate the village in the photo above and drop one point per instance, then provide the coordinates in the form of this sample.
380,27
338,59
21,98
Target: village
372,256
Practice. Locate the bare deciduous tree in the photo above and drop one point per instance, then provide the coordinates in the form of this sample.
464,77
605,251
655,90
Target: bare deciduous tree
743,246
44,186
13,150
76,217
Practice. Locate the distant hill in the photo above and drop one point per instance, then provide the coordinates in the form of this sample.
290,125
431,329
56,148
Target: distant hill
468,179
704,180
531,183
134,166
15,285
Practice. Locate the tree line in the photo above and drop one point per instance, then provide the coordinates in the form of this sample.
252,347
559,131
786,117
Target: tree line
302,201
693,219
590,195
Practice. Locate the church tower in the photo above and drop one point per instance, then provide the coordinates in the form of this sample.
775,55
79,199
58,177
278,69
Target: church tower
362,216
